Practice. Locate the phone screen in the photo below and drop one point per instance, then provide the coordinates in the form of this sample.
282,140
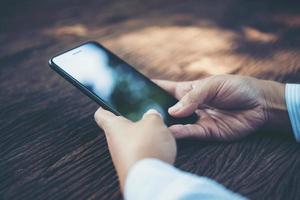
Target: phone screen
123,89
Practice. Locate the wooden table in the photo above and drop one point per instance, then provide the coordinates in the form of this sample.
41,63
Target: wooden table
50,146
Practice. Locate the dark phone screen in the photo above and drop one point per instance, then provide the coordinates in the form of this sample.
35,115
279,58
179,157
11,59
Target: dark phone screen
118,84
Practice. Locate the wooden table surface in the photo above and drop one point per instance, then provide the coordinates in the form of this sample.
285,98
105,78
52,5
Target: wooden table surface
50,146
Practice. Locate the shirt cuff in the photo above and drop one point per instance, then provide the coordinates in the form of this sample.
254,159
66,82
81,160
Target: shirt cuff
292,98
153,179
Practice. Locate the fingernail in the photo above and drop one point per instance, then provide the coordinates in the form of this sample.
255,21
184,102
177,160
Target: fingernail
198,112
100,108
153,111
176,107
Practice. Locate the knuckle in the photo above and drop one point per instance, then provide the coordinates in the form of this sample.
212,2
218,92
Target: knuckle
192,97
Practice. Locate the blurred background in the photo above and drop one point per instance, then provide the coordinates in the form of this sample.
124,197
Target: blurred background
50,147
173,38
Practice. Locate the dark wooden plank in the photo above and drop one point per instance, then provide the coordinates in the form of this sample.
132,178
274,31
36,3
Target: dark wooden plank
50,147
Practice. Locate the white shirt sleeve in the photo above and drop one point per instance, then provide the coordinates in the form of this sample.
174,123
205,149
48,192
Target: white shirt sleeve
292,98
152,179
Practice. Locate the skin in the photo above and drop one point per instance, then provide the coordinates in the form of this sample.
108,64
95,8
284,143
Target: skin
147,138
229,107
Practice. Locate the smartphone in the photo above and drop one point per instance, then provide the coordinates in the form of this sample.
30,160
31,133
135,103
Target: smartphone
114,84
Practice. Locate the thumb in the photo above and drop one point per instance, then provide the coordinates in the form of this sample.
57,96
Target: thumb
108,121
190,130
152,114
203,91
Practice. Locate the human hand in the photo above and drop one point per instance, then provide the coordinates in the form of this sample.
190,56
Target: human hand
129,142
230,106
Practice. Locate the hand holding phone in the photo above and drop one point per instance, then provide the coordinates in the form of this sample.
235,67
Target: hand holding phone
114,84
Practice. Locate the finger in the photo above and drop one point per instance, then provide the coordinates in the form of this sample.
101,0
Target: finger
207,128
190,130
177,89
153,115
105,118
201,93
152,112
169,86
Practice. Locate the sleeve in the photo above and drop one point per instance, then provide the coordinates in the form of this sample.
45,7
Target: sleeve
292,98
154,179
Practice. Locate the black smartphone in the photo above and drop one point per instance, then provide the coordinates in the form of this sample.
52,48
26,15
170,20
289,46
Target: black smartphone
113,83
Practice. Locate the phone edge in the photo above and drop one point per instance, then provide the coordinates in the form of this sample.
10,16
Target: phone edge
77,84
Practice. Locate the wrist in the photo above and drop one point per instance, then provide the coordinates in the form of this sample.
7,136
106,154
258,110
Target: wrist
277,117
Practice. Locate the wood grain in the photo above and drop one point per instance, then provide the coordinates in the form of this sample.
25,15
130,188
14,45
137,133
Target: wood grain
50,147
